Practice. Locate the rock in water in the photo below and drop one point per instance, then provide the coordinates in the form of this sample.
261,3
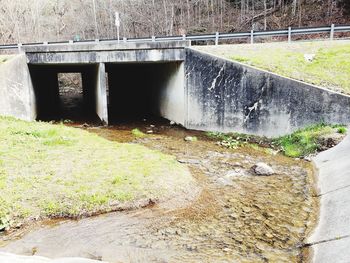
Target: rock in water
262,169
191,139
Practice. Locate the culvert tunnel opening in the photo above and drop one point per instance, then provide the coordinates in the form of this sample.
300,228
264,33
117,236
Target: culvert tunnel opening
65,92
140,91
71,104
132,91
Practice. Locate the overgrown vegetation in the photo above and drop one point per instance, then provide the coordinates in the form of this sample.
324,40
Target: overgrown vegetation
300,143
326,64
51,170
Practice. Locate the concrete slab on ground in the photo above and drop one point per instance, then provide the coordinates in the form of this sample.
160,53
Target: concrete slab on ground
332,251
331,238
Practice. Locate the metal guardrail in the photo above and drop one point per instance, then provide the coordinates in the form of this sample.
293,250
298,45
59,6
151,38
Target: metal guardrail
216,37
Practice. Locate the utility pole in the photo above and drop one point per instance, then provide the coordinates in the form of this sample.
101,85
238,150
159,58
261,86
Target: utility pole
95,18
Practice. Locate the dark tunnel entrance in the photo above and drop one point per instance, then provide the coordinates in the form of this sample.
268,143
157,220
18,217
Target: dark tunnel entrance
145,91
65,92
132,91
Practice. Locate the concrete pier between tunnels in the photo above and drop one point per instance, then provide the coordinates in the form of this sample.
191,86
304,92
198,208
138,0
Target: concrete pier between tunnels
111,92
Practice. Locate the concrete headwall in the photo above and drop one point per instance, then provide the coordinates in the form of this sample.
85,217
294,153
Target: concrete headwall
107,53
17,97
227,96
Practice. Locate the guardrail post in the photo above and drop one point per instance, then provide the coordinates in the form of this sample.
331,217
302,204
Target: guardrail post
125,39
153,39
70,41
289,35
19,45
97,40
183,37
45,43
332,32
216,38
252,36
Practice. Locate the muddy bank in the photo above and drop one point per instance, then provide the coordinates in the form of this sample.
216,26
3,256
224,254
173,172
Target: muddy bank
237,217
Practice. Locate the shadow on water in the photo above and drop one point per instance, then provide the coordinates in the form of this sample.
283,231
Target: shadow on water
238,217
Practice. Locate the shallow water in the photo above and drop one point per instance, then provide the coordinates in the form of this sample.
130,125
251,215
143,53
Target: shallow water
238,217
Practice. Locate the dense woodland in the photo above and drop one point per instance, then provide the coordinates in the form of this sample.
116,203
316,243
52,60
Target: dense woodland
50,20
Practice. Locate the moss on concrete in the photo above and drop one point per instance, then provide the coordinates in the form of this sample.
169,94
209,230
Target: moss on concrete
329,66
4,58
51,170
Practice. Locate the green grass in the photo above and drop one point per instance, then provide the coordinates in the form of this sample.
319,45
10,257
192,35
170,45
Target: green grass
330,67
51,170
137,133
300,143
306,141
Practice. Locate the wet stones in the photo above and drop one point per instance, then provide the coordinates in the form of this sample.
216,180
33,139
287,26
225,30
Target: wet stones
262,169
191,139
189,161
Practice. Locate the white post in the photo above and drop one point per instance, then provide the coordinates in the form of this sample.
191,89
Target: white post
216,38
153,39
118,37
19,45
117,24
183,37
125,39
70,42
332,32
289,35
252,36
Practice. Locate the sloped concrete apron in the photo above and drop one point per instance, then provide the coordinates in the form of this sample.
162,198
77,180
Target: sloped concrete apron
12,258
331,238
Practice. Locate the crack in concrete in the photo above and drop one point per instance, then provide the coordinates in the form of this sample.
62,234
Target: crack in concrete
325,241
332,191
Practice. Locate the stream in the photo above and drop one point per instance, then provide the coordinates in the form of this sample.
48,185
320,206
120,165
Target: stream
238,216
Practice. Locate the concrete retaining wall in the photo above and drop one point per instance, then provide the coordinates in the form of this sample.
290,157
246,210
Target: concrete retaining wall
227,96
331,239
17,97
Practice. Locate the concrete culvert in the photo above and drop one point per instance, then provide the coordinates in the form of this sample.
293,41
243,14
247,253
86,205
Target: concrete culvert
144,90
66,91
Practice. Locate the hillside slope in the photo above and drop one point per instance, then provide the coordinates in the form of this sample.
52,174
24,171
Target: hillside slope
323,63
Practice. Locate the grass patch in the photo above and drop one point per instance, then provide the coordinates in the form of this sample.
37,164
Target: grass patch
137,133
330,67
51,170
307,141
300,143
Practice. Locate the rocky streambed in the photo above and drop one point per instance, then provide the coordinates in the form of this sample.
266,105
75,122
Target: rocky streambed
239,216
